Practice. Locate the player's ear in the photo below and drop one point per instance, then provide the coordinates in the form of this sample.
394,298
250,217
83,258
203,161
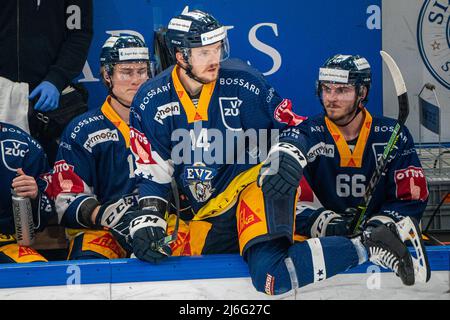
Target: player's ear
180,58
105,77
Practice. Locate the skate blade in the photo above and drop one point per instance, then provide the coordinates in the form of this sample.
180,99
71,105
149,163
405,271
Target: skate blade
409,231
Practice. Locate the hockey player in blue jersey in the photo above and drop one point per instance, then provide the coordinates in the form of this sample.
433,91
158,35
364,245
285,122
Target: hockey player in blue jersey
93,180
337,153
22,166
343,145
180,122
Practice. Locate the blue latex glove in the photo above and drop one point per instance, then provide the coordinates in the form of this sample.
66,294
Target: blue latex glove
48,97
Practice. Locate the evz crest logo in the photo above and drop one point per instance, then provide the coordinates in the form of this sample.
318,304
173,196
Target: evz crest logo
11,150
433,37
199,179
230,111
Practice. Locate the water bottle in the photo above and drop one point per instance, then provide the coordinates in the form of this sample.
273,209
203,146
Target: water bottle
23,219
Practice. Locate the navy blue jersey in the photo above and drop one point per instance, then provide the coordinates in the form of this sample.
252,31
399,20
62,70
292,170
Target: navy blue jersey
93,161
20,150
171,137
338,176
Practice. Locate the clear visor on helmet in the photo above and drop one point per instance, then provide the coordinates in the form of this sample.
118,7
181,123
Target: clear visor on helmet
210,54
136,70
344,92
215,48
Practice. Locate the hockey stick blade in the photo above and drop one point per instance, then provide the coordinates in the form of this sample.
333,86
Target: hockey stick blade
400,87
382,162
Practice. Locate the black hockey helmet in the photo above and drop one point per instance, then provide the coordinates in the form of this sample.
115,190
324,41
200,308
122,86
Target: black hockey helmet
124,49
193,29
345,69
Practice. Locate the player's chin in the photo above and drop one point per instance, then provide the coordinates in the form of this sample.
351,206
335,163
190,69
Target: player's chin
210,76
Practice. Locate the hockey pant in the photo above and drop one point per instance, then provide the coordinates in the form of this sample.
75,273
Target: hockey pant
11,252
93,244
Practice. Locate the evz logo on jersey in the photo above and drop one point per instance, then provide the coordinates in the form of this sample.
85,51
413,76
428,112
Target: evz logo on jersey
230,110
198,177
100,137
167,110
411,184
11,150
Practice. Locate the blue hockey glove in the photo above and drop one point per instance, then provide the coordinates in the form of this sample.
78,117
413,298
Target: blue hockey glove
281,172
329,223
48,97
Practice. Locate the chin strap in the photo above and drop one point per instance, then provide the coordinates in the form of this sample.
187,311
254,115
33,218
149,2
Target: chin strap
110,92
190,74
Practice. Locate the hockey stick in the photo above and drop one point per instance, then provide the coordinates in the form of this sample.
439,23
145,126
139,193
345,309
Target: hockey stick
382,162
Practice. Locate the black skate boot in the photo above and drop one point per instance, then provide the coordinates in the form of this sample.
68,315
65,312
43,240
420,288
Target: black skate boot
386,248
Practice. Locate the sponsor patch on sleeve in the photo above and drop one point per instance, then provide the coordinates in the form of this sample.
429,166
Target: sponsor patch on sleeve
284,114
411,184
63,180
140,146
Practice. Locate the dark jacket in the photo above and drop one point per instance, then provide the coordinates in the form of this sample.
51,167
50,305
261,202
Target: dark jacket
38,41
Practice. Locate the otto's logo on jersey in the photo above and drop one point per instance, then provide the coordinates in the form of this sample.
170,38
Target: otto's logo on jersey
167,110
100,137
230,110
411,184
198,177
140,147
320,149
284,114
11,150
63,180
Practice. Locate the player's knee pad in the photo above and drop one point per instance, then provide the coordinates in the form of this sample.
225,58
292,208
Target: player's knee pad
270,267
261,219
14,253
95,244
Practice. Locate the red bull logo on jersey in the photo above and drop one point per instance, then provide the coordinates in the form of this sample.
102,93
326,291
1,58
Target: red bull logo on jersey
411,184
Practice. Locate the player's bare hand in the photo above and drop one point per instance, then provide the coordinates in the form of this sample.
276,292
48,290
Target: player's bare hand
25,186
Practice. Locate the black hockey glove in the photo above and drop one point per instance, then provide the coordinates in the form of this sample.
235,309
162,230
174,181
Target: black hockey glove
281,172
143,232
381,219
329,223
